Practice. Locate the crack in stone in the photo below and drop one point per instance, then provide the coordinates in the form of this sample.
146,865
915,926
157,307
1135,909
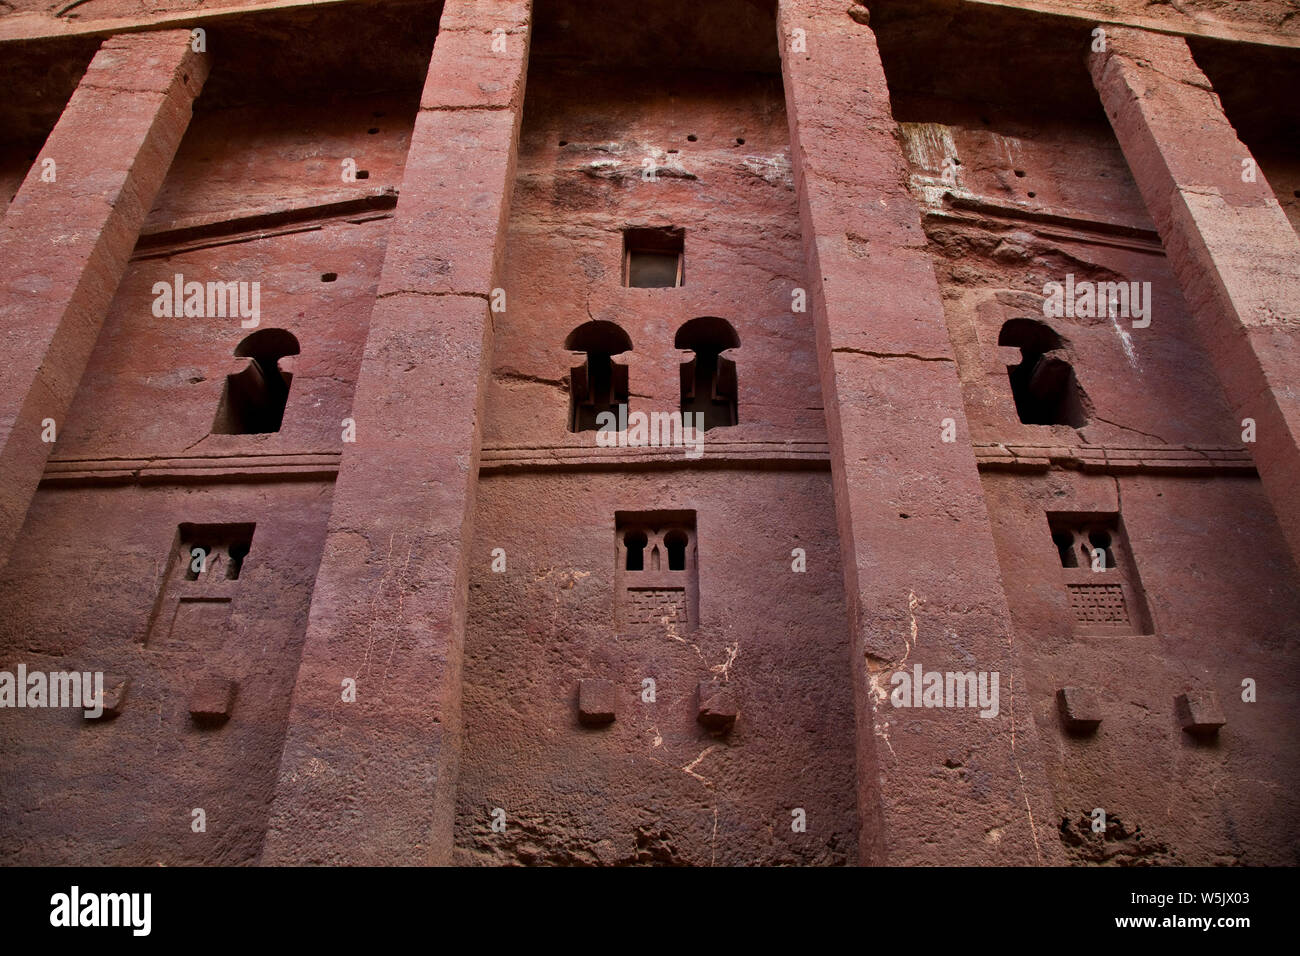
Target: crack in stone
887,355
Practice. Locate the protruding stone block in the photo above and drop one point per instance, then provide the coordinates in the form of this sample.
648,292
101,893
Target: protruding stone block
719,706
1199,712
115,688
595,702
1080,709
212,700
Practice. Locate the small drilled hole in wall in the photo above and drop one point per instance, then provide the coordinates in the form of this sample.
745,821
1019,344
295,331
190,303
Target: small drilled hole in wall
363,174
740,141
1020,174
692,138
328,276
373,130
564,142
1032,195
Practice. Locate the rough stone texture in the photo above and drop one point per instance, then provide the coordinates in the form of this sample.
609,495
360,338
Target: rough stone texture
1041,190
654,787
718,707
1199,712
212,700
908,530
64,244
1080,709
1231,246
416,407
156,763
116,689
596,702
472,678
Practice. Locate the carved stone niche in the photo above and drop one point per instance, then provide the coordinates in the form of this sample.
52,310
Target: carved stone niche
1100,576
656,572
202,578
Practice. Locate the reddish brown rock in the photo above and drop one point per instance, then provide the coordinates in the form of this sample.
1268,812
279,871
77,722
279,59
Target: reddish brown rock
718,706
1080,709
114,699
212,700
596,702
1199,712
379,515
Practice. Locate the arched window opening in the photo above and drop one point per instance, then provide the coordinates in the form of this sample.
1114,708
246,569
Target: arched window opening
1099,540
675,541
1064,542
635,542
1043,384
600,384
253,400
709,383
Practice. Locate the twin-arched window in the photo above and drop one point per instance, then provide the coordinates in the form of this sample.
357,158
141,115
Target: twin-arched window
708,379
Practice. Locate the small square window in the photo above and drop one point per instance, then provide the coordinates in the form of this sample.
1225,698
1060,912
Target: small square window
654,258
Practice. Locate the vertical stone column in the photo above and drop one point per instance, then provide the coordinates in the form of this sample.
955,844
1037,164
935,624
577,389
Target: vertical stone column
68,234
1236,255
936,785
373,781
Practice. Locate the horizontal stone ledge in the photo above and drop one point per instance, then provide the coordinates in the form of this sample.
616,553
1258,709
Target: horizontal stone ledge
1080,13
196,468
35,26
1050,224
804,455
242,225
1202,459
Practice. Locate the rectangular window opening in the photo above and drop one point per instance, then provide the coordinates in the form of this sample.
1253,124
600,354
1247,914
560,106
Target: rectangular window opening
654,258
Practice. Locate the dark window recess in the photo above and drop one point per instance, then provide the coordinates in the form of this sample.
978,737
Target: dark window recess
237,551
709,385
675,542
599,384
254,399
634,542
1064,542
1043,384
1098,548
654,258
212,552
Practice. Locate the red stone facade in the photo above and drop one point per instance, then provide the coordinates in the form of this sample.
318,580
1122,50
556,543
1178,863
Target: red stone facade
314,312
